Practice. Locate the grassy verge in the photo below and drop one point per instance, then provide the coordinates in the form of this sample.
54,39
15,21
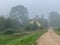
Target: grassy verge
27,40
57,32
7,38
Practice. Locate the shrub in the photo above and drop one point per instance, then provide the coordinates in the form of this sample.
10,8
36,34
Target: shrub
58,29
9,32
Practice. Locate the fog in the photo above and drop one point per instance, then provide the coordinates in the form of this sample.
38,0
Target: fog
35,7
22,22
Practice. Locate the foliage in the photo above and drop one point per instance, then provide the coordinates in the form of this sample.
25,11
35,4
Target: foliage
18,21
19,13
54,19
31,27
9,32
7,38
2,24
31,39
43,22
57,31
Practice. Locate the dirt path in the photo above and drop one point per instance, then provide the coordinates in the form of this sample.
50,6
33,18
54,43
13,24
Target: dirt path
50,38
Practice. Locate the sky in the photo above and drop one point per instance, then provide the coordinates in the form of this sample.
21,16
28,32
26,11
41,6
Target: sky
35,7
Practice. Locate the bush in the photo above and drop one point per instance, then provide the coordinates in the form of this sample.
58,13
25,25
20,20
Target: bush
41,27
31,27
9,32
58,29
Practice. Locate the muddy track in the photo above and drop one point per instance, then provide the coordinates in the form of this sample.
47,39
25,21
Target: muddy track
49,38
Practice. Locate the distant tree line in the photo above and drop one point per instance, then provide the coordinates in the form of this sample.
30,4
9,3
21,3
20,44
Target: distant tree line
54,20
18,21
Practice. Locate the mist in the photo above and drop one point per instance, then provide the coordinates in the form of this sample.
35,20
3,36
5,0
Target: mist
35,7
29,22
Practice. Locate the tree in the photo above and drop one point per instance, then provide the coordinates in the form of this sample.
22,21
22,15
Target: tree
2,23
54,19
9,23
20,13
32,27
43,22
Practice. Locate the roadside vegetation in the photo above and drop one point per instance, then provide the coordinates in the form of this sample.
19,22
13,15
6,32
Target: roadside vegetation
7,38
57,30
18,40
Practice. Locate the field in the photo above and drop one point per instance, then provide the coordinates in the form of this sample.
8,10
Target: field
20,40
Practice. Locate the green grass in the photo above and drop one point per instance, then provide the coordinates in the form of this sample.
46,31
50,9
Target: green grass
7,38
57,32
17,40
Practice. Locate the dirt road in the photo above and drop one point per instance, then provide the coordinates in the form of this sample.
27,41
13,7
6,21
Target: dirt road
50,38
